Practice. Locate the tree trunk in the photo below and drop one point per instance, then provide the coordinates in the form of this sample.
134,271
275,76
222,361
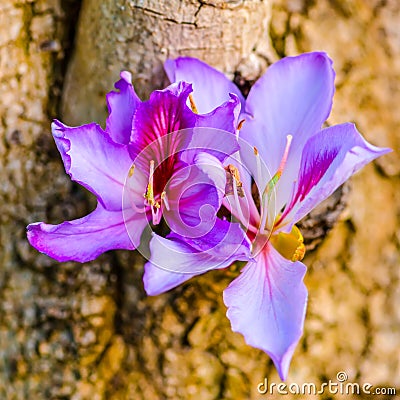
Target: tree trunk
72,331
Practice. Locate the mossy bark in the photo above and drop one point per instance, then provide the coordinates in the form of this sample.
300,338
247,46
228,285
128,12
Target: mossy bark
72,331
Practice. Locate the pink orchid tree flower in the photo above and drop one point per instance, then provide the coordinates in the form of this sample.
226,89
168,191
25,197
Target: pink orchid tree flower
296,165
150,151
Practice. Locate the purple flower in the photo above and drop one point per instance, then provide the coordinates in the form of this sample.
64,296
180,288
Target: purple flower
141,148
296,165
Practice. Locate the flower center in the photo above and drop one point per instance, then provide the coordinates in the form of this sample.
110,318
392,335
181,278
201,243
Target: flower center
155,200
290,245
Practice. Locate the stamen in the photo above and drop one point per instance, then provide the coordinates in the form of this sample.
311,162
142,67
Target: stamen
164,198
267,194
149,197
233,180
131,171
193,104
258,161
155,213
240,125
237,202
274,180
234,186
289,139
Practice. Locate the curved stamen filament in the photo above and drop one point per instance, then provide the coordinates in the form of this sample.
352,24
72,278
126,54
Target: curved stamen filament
164,199
269,188
149,197
234,186
258,165
193,104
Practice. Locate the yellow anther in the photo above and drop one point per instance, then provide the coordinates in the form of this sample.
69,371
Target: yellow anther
131,170
149,195
233,178
193,104
240,125
290,245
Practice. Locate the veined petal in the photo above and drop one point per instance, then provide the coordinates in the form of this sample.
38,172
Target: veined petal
329,158
211,88
165,112
121,107
267,305
293,97
93,160
82,239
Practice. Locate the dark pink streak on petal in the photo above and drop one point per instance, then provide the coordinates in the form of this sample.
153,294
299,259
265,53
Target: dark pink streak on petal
267,305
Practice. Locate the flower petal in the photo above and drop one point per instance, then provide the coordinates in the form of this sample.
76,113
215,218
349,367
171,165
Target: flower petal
329,158
82,239
225,117
121,107
157,280
194,199
165,112
176,259
226,242
93,160
267,305
211,88
293,97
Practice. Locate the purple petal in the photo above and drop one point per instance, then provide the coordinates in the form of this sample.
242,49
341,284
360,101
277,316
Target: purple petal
165,112
176,259
93,160
329,158
121,108
226,242
211,88
157,280
267,305
82,239
194,199
294,97
215,132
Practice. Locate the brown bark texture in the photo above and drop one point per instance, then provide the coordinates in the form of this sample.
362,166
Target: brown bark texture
88,331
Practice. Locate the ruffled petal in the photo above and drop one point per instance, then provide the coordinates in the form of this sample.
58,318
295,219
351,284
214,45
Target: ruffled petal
224,117
93,160
329,158
211,88
121,107
82,239
293,97
215,132
267,305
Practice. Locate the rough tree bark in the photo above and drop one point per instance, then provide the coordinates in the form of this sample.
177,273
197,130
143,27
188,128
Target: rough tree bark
70,331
